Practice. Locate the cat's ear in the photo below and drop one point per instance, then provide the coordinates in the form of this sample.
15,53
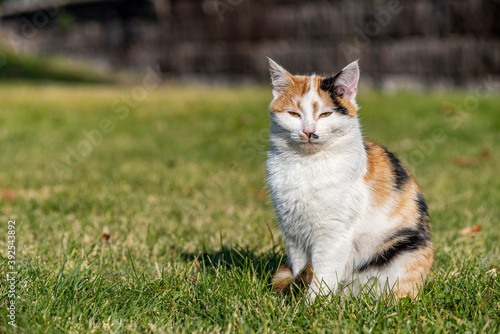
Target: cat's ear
281,78
346,81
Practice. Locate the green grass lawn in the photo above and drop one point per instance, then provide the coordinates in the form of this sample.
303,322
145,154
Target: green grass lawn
147,211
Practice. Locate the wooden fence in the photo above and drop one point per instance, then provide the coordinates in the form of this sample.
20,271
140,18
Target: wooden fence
426,41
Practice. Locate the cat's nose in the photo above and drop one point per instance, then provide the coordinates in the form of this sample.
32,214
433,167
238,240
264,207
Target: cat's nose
311,135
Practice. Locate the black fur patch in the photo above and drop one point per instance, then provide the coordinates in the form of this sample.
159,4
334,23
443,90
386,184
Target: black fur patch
340,107
423,216
409,240
401,177
328,85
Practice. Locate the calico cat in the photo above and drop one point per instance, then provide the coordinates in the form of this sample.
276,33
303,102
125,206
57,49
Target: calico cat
352,216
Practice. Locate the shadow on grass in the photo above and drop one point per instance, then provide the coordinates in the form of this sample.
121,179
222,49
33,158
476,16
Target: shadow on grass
230,258
34,68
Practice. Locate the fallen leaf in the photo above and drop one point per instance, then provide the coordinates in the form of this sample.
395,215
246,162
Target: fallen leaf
476,228
8,194
447,108
259,193
471,230
105,234
465,161
485,153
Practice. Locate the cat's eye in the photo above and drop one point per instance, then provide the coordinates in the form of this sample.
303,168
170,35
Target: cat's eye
294,114
325,114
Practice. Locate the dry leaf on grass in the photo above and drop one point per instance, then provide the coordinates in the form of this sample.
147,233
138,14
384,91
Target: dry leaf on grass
471,230
485,153
8,194
447,108
259,193
465,161
105,234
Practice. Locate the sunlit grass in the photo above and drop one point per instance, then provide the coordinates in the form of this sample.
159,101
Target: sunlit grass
176,179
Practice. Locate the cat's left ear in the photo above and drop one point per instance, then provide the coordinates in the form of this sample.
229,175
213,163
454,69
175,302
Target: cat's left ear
346,82
281,78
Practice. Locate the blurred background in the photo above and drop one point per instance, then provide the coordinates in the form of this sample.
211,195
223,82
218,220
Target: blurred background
419,43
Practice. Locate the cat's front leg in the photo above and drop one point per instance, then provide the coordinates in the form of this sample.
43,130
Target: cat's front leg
297,256
329,262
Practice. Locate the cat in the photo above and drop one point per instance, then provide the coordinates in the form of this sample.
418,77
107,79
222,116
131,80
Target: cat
352,215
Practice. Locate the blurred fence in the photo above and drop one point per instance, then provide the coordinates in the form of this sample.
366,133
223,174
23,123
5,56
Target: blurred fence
426,41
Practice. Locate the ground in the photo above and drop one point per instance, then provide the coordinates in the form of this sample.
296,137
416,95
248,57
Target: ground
144,209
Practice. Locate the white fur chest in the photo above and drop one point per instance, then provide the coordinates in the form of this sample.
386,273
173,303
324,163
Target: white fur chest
317,194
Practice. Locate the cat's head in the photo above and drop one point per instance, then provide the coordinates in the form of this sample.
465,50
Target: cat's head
308,112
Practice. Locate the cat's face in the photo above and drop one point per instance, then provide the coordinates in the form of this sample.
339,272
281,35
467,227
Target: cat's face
309,112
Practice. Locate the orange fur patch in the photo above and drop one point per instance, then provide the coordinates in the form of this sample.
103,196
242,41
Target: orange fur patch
416,270
378,174
299,86
282,278
315,109
405,204
349,106
285,283
405,210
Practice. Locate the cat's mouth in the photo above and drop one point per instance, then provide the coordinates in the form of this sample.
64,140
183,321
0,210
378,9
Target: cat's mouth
309,144
303,142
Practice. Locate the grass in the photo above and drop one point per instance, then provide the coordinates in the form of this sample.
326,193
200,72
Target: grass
151,214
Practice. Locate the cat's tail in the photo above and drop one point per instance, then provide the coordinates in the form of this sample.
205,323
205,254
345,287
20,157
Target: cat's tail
284,282
282,278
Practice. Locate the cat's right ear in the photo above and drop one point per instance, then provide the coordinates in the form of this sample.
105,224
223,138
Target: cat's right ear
281,78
